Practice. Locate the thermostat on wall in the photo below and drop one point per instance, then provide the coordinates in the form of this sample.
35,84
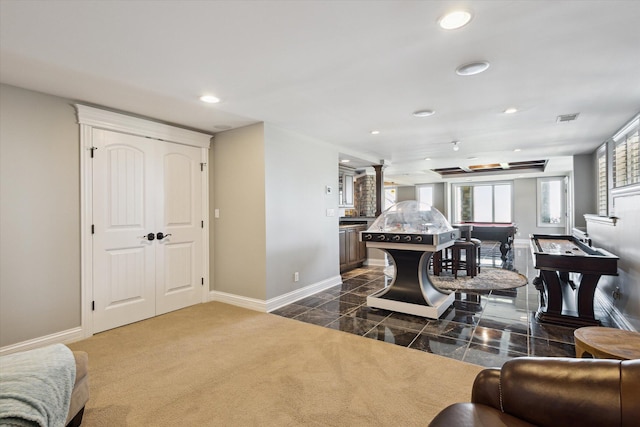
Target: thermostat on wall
328,189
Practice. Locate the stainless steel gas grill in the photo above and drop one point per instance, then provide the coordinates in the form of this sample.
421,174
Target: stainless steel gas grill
410,232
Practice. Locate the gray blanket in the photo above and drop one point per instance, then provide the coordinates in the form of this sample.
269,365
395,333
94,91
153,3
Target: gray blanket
36,386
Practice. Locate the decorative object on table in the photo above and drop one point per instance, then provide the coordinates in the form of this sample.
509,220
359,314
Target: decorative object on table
489,279
410,232
567,298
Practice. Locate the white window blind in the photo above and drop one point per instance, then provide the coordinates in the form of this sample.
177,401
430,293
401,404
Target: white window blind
602,181
626,156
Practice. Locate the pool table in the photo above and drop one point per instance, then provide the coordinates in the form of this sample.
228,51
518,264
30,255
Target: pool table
569,273
503,232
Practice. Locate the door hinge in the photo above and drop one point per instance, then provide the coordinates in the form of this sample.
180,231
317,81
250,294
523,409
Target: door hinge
202,165
93,229
92,149
202,281
93,306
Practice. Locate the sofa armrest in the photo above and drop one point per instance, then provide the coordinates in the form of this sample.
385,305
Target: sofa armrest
630,392
560,391
80,393
486,388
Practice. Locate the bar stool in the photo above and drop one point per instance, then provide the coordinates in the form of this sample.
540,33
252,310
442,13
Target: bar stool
470,262
465,233
478,244
441,260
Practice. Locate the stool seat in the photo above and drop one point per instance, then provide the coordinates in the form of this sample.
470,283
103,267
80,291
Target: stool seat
454,262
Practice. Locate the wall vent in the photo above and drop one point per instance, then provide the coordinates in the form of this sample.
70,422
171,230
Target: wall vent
567,117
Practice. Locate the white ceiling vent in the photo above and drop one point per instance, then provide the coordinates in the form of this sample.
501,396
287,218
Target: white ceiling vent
566,117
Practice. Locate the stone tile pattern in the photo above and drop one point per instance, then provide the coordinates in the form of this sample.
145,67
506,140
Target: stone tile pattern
485,329
365,195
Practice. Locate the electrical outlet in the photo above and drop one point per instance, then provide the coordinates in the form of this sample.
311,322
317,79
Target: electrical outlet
616,293
296,276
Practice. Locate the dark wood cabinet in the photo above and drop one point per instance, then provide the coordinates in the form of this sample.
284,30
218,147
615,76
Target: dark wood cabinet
353,252
343,248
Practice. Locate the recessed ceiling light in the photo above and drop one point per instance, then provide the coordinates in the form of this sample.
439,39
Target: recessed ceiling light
454,20
515,150
423,113
510,110
345,161
472,68
209,99
428,158
375,132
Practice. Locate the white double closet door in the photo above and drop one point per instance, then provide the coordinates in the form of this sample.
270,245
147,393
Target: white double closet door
143,187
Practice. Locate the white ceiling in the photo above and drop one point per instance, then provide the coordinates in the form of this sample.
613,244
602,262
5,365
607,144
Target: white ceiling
336,70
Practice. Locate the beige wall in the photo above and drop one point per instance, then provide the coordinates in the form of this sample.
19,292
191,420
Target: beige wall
622,239
525,210
269,186
584,188
407,192
39,215
238,261
300,235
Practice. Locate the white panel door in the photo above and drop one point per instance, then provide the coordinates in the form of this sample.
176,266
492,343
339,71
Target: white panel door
179,217
124,264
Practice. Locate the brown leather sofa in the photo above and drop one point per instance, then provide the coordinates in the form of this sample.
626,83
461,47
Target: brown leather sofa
551,392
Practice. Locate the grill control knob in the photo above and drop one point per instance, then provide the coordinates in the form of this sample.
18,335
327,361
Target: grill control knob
381,237
407,238
418,238
396,238
368,237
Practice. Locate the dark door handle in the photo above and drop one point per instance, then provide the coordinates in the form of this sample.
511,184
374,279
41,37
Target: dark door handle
161,235
149,237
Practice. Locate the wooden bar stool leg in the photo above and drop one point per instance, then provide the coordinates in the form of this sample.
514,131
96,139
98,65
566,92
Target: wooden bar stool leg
456,261
470,259
436,262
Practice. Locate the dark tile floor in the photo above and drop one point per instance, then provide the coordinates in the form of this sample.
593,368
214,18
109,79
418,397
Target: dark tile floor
499,327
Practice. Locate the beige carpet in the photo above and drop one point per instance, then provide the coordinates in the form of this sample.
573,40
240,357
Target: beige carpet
219,365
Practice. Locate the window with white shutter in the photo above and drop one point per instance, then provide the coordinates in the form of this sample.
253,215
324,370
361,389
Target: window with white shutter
626,155
603,204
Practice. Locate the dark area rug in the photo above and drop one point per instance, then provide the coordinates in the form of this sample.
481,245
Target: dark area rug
488,279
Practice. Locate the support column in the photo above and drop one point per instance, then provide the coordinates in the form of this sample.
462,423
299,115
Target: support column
379,188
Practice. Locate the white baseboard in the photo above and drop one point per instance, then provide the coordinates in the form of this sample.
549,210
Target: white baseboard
618,318
63,337
298,294
377,262
238,300
277,302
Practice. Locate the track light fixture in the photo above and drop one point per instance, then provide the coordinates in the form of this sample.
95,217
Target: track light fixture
455,145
